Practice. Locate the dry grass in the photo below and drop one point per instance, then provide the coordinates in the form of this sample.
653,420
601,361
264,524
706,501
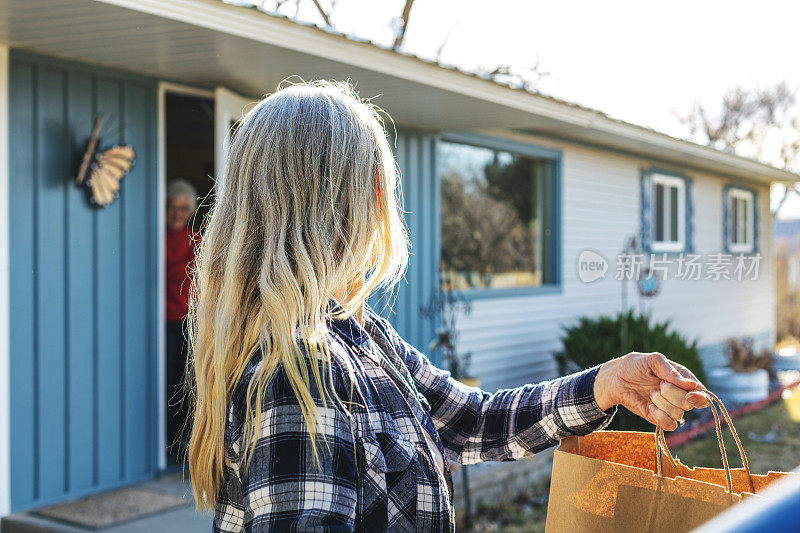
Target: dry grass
526,512
780,422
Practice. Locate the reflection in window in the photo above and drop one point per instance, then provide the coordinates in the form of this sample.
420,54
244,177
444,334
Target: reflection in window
494,208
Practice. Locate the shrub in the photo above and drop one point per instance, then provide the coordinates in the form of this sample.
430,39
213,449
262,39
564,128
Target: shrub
596,340
742,356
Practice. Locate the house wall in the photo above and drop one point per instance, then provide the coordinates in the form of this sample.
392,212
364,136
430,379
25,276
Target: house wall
5,397
82,281
512,339
415,156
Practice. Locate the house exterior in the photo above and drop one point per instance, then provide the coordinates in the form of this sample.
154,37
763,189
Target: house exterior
602,205
81,288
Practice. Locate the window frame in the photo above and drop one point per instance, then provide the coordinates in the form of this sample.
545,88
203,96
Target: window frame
669,180
552,264
733,192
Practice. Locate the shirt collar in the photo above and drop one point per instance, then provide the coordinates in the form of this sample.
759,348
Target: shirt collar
348,327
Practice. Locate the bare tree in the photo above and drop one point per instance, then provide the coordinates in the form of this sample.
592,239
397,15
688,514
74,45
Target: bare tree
440,48
283,7
524,78
325,16
761,123
399,24
402,24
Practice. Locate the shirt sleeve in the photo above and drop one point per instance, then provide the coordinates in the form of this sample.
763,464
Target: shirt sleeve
477,426
282,490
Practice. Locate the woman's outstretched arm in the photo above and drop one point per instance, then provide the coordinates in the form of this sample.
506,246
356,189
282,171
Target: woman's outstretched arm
477,426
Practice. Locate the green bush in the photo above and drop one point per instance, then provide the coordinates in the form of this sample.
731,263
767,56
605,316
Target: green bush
596,340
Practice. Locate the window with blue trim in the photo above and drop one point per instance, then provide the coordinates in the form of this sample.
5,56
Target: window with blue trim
740,220
497,218
669,208
666,212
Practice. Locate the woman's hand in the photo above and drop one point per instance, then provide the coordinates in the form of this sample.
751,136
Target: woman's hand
649,385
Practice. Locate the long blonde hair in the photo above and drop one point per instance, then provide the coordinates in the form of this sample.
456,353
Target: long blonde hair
309,199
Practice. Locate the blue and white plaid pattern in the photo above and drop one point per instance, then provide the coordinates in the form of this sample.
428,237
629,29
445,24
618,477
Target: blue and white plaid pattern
377,472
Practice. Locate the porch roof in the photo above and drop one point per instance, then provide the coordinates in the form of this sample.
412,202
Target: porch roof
209,43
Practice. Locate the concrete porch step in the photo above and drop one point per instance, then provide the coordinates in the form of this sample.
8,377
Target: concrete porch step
176,519
183,520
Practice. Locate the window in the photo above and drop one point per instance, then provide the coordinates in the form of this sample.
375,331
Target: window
497,218
669,213
740,220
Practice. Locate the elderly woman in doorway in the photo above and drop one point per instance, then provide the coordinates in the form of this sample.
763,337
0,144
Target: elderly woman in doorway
311,412
181,241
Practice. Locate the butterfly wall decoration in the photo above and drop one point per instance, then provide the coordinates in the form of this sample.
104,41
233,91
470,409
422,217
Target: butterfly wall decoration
102,170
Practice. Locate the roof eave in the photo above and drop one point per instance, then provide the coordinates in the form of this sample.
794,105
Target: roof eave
566,120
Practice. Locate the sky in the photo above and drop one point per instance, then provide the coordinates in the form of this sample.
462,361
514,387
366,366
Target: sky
639,61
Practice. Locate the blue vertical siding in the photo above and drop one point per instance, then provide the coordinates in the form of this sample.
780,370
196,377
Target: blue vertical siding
82,282
137,321
416,157
52,289
23,185
80,261
109,322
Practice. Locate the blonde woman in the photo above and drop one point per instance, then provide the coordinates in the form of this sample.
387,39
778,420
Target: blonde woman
312,413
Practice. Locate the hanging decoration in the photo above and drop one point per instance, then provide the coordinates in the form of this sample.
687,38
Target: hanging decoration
102,170
648,283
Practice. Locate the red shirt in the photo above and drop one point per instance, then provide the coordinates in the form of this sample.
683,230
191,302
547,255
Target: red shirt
180,255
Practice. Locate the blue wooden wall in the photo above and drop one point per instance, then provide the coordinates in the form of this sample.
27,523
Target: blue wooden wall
416,156
83,282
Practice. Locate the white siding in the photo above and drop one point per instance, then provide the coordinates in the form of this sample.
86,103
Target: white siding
512,339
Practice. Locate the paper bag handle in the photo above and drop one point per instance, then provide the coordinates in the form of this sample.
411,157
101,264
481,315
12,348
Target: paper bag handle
661,443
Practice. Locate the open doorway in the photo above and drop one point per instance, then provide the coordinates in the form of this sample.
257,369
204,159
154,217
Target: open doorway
189,143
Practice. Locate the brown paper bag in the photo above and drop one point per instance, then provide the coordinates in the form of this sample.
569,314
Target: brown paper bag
615,481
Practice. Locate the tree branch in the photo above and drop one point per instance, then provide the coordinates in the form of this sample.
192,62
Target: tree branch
404,18
322,12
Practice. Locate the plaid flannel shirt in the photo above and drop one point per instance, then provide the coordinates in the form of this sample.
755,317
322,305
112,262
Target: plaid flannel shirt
377,472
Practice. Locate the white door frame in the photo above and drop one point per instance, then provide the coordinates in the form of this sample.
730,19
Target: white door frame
229,107
5,347
161,199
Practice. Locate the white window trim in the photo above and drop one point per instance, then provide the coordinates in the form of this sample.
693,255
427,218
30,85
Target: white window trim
736,193
680,184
